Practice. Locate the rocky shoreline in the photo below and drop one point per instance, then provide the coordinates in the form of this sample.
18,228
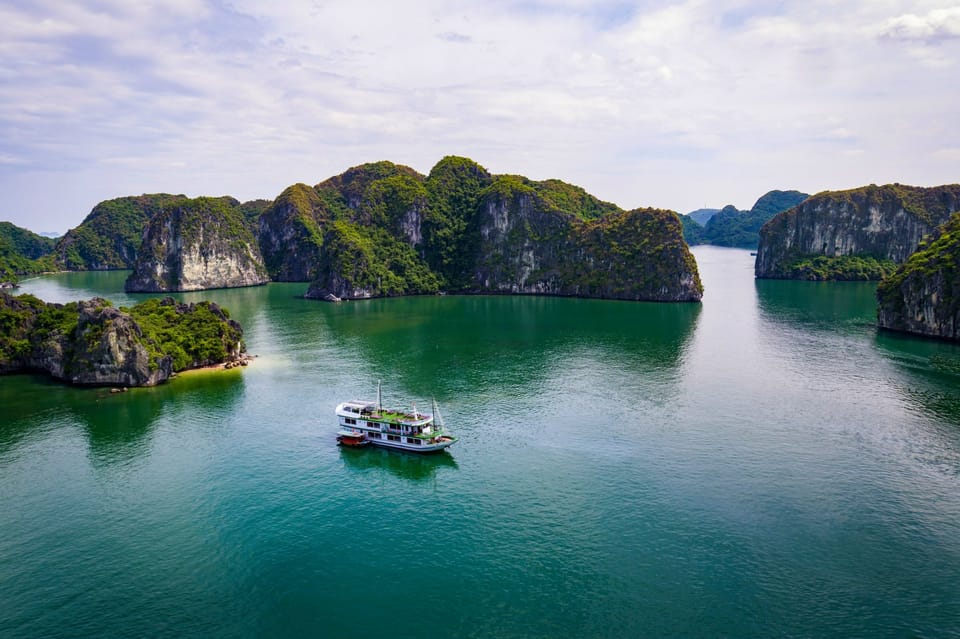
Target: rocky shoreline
91,343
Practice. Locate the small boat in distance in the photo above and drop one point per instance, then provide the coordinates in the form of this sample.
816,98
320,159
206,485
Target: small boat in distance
364,422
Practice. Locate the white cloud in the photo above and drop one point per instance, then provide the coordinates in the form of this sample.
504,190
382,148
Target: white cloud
937,25
681,104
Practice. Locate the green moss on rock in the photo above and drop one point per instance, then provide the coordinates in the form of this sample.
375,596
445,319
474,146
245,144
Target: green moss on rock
881,223
92,343
923,295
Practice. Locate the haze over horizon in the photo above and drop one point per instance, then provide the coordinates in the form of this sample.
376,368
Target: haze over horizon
677,105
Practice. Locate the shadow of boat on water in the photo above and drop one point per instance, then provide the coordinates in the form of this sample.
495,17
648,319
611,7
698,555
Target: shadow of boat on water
411,466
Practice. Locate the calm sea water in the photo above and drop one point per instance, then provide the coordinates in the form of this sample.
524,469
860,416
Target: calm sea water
764,464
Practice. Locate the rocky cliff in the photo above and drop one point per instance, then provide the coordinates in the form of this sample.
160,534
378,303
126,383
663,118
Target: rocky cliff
108,238
923,295
386,230
587,248
873,228
197,244
92,343
383,229
289,234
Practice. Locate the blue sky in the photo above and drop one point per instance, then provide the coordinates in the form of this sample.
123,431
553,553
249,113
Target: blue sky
669,104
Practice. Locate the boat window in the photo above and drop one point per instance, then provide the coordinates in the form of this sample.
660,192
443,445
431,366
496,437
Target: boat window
349,420
373,435
413,440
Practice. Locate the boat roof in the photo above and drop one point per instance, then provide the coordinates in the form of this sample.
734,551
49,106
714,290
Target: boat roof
359,403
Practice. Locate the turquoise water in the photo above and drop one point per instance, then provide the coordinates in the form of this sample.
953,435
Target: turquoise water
763,464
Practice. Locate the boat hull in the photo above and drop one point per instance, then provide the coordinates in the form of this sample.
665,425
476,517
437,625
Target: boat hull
424,448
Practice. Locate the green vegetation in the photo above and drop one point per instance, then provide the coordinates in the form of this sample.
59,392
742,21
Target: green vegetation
450,235
873,226
932,205
936,263
571,199
192,335
290,236
183,244
252,210
23,252
732,227
372,259
389,231
109,237
693,232
156,337
844,268
384,229
638,238
28,323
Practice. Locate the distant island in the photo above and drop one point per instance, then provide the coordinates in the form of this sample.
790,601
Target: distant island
732,227
91,343
383,229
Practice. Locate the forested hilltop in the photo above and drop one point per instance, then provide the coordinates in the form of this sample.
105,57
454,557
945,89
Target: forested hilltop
91,343
730,226
23,252
383,229
858,234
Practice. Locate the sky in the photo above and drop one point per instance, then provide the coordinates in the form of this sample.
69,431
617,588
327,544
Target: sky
677,105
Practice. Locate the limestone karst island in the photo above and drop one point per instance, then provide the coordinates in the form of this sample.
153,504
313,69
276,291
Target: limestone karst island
384,230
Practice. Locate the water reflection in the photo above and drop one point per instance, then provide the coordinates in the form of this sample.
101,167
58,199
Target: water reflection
117,426
930,373
818,305
410,466
445,345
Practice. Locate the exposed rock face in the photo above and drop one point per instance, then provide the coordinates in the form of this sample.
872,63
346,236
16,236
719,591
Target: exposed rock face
880,222
388,231
383,229
100,347
108,350
289,235
93,344
198,244
923,295
108,238
528,246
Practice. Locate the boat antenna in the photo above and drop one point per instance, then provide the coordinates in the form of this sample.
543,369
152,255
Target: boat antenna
379,397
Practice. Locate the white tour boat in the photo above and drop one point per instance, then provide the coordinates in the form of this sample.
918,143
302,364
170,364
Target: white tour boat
363,422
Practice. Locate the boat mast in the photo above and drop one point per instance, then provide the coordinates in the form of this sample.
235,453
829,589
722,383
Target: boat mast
379,397
437,418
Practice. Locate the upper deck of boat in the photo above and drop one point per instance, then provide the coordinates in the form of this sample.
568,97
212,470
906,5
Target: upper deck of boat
369,411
